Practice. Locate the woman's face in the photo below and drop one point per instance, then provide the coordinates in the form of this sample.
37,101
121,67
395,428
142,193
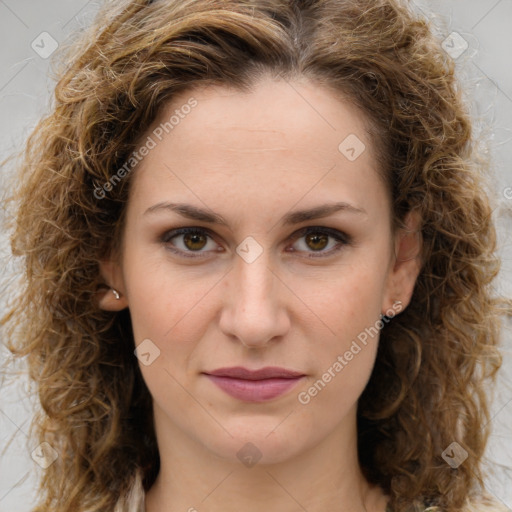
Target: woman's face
250,287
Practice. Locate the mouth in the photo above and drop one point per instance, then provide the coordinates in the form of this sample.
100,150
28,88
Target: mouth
255,385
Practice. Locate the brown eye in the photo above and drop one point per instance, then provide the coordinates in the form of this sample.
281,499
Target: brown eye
317,241
194,241
188,241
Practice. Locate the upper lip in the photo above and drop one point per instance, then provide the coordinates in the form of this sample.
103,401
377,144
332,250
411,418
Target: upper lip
269,372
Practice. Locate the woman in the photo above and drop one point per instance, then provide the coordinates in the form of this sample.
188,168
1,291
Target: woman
258,264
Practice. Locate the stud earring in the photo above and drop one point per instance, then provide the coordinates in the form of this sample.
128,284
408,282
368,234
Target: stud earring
116,294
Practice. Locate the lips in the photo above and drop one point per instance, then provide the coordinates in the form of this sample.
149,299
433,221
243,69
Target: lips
255,385
269,372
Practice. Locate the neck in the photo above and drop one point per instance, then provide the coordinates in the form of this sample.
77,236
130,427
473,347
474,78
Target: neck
318,478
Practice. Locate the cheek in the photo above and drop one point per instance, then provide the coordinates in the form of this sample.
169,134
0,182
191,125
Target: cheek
168,308
162,298
347,310
343,362
347,299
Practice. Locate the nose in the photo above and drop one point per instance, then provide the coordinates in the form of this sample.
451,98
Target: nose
254,310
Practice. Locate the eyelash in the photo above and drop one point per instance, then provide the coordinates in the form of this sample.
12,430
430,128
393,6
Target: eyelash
341,237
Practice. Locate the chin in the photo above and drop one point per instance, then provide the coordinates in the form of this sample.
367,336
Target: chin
261,443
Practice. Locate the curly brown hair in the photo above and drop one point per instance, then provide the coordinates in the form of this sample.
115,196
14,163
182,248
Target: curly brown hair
427,388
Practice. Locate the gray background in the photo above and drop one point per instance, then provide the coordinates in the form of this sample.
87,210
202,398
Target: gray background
485,71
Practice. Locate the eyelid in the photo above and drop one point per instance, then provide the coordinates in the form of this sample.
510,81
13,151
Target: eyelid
341,237
332,232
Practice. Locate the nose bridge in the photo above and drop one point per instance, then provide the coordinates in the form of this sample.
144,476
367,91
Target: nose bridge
254,282
253,311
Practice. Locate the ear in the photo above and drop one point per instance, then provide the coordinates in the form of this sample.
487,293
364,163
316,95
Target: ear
112,274
406,264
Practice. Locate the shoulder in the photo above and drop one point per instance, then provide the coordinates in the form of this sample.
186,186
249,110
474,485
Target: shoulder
484,504
133,501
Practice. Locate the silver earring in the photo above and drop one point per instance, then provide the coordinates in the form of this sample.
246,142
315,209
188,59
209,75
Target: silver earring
116,294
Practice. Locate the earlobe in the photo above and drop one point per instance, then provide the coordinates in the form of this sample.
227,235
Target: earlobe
112,298
109,301
407,262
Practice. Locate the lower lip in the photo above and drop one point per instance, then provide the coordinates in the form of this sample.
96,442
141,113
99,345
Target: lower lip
254,390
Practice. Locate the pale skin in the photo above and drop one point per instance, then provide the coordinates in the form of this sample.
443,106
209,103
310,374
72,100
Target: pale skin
253,158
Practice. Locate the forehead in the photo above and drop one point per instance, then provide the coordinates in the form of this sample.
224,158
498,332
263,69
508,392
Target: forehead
285,111
292,138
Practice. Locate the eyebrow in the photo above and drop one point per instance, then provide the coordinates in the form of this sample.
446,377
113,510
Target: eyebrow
296,217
